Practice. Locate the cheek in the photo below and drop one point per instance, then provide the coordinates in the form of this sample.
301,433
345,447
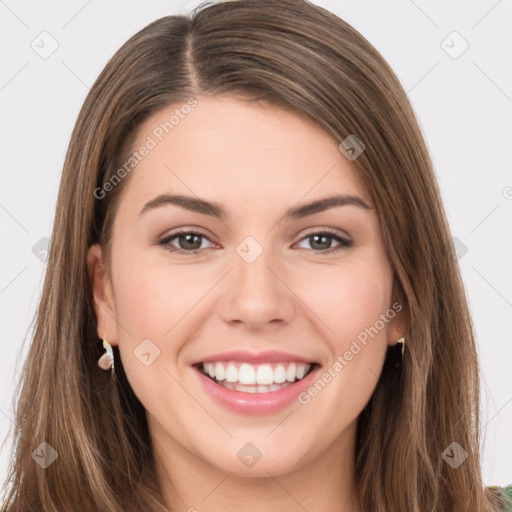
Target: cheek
349,301
353,306
154,307
159,306
151,297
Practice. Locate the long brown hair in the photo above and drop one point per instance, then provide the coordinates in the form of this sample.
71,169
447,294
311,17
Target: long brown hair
301,57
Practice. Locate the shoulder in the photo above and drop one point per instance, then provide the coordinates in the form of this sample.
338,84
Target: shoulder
506,494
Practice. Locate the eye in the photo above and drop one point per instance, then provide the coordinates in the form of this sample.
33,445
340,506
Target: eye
187,240
190,241
320,239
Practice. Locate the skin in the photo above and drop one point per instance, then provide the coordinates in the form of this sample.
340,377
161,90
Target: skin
258,161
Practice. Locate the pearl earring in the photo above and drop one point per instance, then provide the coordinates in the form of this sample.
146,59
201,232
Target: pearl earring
106,361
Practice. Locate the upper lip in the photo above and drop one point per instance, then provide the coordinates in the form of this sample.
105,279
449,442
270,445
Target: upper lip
267,356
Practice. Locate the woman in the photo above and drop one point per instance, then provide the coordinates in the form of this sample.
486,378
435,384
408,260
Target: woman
249,222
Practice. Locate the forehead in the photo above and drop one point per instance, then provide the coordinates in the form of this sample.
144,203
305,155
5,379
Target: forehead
232,150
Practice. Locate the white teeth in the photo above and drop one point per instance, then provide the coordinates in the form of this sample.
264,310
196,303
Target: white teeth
264,376
290,372
254,389
246,374
220,371
231,373
279,374
301,370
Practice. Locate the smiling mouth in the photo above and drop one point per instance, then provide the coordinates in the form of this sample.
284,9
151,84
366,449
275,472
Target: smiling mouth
255,378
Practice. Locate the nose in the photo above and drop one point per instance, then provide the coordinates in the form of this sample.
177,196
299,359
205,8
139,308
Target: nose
256,293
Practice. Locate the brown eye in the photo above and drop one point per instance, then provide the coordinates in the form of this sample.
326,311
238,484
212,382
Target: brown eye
189,242
322,241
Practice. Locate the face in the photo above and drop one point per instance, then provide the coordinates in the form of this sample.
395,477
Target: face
292,308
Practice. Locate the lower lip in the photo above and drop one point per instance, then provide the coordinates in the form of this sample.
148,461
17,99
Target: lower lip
255,403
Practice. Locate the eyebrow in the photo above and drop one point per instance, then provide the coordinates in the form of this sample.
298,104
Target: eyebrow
216,210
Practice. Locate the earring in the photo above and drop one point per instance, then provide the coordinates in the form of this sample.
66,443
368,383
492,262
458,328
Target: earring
106,361
402,342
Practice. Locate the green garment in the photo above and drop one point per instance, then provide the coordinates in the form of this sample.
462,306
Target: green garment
506,493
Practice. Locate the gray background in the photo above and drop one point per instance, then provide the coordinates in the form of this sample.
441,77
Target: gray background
463,100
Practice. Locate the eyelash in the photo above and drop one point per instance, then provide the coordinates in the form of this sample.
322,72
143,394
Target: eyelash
344,243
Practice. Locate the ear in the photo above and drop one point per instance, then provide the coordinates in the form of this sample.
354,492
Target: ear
398,325
104,304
